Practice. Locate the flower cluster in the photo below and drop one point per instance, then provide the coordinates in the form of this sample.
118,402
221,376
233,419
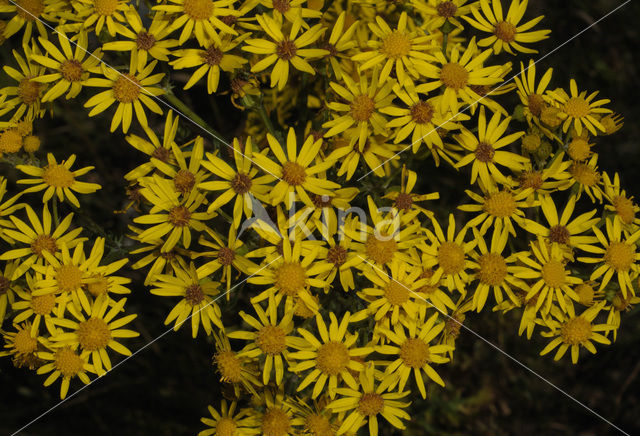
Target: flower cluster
352,284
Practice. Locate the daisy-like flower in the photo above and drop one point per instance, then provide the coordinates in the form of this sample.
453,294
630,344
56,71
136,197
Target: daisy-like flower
458,74
617,256
8,289
234,369
363,101
494,271
227,421
284,50
57,178
291,10
23,345
196,289
506,33
532,97
620,203
65,363
580,110
295,171
339,42
332,358
278,418
573,332
564,230
318,419
338,254
27,14
405,200
587,177
397,48
438,12
169,215
271,338
553,281
449,253
485,153
96,331
7,208
142,42
43,307
186,176
198,17
367,402
26,97
376,153
239,182
71,68
210,61
39,236
413,354
289,276
322,215
96,14
130,91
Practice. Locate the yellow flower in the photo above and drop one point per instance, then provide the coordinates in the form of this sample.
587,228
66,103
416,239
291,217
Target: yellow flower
228,422
71,68
624,207
67,363
573,332
41,307
532,97
209,61
57,178
7,208
437,12
376,153
186,177
96,331
340,41
129,90
240,371
333,359
485,153
284,50
196,289
413,353
23,345
8,289
27,14
100,12
367,402
587,177
295,171
580,110
399,48
27,95
506,34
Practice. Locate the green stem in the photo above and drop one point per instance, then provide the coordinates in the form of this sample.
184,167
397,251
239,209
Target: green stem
56,219
267,121
182,107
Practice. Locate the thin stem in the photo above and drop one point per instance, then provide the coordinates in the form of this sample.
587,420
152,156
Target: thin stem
182,107
267,121
56,219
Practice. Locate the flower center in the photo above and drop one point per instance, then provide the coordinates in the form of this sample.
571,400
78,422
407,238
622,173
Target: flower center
44,242
69,278
396,293
126,88
198,9
184,181
579,149
584,174
396,45
624,209
286,49
536,104
531,179
229,366
333,357
162,154
362,108
403,201
226,427
370,404
293,173
290,278
281,6
484,152
30,10
58,176
271,339
337,255
531,143
454,75
226,256
5,284
493,269
145,40
241,183
415,353
71,69
318,425
275,422
194,294
322,201
559,234
422,112
500,204
577,107
380,250
68,362
620,302
29,91
446,9
10,141
576,331
451,257
93,334
23,343
553,274
98,285
179,216
585,294
212,56
105,7
620,256
43,304
505,31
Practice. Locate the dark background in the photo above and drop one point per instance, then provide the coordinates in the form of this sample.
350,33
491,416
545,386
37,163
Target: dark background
165,389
